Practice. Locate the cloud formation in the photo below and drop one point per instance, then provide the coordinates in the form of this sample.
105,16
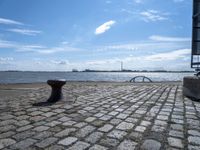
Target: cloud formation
153,15
25,31
9,21
6,60
169,39
138,1
18,47
177,1
173,55
104,27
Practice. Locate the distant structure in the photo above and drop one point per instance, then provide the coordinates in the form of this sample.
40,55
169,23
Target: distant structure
74,70
122,66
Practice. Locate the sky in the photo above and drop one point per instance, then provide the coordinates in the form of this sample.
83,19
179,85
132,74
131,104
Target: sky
61,35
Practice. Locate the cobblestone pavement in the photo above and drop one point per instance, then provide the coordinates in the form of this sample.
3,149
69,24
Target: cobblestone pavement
101,116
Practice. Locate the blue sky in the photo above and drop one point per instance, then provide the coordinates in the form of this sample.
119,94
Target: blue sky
59,35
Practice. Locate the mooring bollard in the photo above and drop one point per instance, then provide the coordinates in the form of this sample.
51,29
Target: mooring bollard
56,92
191,87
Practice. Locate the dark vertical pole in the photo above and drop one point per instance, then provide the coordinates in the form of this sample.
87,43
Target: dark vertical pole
192,35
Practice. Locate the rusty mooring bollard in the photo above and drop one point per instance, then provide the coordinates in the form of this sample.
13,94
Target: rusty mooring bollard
56,92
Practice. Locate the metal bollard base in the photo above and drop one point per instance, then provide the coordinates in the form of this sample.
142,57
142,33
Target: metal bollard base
191,87
56,92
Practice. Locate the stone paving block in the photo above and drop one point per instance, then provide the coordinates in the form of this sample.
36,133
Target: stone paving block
158,128
69,123
79,146
194,140
94,137
42,135
109,142
90,119
118,134
55,147
140,128
119,109
8,122
194,133
39,123
98,123
162,117
177,121
53,123
127,145
22,123
98,147
176,133
99,115
136,136
7,128
192,147
23,117
6,142
59,110
6,117
6,134
145,123
64,119
106,128
113,113
41,128
68,141
175,142
106,117
80,124
85,131
23,135
65,132
88,108
35,113
132,120
160,123
46,142
24,144
115,121
177,127
122,116
24,128
125,126
49,114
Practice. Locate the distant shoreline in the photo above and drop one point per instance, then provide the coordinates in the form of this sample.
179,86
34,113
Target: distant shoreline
99,71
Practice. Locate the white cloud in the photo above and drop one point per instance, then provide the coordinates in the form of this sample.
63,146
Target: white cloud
138,1
36,48
60,62
108,2
173,55
26,31
9,21
104,27
153,15
149,46
177,1
6,60
169,39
